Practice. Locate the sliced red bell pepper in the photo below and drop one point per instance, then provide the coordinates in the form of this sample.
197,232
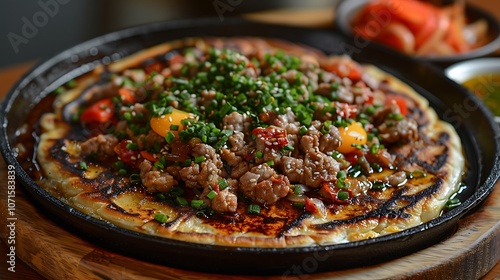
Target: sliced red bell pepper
99,112
398,100
128,156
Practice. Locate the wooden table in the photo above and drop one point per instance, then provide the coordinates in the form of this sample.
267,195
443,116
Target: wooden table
477,232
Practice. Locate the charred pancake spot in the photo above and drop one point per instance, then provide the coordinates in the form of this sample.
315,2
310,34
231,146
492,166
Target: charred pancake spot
272,220
115,207
295,223
432,157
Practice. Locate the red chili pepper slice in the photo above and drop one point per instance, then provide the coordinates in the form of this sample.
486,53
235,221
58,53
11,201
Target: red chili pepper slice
332,192
398,100
149,156
126,155
273,137
99,112
126,96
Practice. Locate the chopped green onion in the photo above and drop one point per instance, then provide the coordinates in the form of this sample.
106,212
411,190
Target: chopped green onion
378,185
376,167
211,194
288,148
181,201
370,110
127,116
132,146
416,174
297,189
170,137
135,178
337,155
159,165
341,175
83,165
270,163
341,184
187,162
197,203
299,205
199,159
122,172
186,122
342,195
253,209
374,149
174,127
222,183
160,197
303,130
354,171
370,137
452,203
325,129
226,132
335,85
259,154
397,117
176,191
162,218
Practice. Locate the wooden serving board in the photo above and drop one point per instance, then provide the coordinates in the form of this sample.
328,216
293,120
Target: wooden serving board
55,253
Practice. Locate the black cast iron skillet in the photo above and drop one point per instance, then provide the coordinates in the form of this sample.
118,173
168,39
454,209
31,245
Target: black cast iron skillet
473,122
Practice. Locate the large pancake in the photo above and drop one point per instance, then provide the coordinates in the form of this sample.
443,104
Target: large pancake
101,193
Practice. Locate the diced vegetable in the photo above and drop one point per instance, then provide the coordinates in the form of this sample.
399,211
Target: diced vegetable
316,207
126,155
99,112
126,96
398,100
149,156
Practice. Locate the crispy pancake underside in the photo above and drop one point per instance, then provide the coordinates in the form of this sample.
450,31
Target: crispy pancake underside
101,193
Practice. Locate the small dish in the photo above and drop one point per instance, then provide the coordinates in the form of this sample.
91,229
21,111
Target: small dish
347,10
481,76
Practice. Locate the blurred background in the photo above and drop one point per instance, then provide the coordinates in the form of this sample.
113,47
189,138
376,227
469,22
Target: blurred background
33,29
36,29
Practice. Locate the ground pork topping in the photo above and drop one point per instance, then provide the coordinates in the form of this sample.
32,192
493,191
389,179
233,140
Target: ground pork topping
205,126
264,185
